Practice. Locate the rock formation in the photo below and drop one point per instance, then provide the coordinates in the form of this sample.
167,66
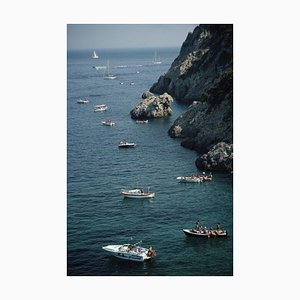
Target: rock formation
220,157
152,106
204,56
202,74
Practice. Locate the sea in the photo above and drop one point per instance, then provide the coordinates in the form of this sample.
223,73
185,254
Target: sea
97,170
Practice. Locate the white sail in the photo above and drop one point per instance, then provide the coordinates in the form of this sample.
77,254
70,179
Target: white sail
95,55
156,60
107,75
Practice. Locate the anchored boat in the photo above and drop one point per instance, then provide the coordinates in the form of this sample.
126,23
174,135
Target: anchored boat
83,101
138,193
200,231
108,123
190,179
125,144
130,252
101,107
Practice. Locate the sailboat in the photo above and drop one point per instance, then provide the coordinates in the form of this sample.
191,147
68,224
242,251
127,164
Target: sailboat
156,60
107,75
95,55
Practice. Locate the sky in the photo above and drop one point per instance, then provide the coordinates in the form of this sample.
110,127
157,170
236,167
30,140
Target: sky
101,36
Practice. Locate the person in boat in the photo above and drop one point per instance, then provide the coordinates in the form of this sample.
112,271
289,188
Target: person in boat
150,251
197,227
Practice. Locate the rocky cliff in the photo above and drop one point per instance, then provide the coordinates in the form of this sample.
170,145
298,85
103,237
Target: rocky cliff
202,74
204,56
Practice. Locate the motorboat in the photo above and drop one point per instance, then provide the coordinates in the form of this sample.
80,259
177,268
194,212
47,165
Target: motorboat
83,101
125,144
207,177
109,123
205,232
137,193
190,179
99,67
141,121
101,107
130,252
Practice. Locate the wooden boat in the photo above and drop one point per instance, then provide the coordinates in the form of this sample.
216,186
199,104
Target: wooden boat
206,233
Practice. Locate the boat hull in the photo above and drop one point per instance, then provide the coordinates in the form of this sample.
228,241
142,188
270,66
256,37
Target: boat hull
214,233
127,146
136,196
122,252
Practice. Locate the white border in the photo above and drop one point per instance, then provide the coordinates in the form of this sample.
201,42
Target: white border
33,151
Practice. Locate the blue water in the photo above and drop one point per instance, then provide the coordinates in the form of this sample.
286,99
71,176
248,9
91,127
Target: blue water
97,214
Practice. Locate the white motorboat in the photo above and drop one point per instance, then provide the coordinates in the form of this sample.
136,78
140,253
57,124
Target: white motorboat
141,121
101,107
109,123
99,67
138,193
130,252
190,179
83,101
125,144
95,55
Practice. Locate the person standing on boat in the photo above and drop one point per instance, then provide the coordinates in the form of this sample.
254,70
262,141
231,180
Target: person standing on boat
198,225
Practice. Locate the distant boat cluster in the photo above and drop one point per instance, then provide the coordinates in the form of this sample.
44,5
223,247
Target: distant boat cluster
109,76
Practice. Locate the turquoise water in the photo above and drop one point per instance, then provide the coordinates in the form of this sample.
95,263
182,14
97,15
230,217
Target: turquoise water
97,214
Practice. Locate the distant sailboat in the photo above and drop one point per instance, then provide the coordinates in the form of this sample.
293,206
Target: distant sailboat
107,75
156,60
95,55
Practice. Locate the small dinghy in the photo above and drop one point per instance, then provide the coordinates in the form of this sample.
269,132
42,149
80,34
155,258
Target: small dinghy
108,123
125,144
83,101
130,252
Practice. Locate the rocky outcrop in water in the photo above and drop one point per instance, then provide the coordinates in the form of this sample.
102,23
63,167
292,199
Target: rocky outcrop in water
220,157
152,106
202,74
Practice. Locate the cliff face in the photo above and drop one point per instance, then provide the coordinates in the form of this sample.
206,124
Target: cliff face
204,56
202,74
